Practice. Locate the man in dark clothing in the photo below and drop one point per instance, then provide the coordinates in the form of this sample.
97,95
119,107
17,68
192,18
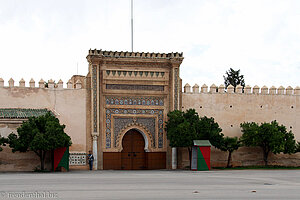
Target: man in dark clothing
90,158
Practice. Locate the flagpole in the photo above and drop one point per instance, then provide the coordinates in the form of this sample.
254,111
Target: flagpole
131,25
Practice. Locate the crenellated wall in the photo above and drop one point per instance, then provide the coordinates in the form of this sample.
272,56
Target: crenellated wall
74,83
239,90
68,104
229,107
234,106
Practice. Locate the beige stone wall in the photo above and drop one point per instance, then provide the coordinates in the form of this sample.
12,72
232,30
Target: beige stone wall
69,105
231,109
245,156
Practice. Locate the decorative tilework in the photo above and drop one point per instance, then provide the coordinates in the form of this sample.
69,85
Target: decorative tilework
21,113
121,122
176,89
77,159
108,129
145,101
135,73
94,83
134,87
149,123
157,112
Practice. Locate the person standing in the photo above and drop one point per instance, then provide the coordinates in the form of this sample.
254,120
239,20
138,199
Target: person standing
90,158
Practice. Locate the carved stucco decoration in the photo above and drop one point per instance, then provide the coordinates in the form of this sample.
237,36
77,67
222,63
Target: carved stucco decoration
138,113
147,122
94,86
142,129
176,83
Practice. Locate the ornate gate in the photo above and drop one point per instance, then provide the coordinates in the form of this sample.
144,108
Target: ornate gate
133,153
132,91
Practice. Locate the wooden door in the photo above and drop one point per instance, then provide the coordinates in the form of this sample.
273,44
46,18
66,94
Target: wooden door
156,160
133,153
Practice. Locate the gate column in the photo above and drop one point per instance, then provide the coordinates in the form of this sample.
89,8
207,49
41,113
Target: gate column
174,158
95,149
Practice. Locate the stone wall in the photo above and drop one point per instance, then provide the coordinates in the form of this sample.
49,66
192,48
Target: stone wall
232,107
229,108
68,104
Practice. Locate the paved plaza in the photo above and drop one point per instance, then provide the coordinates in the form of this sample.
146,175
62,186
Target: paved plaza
158,184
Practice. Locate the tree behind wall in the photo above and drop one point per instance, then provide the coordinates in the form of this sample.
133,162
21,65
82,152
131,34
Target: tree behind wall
234,78
40,135
185,127
271,137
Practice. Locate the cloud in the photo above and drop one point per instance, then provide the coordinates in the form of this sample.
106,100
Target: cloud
46,39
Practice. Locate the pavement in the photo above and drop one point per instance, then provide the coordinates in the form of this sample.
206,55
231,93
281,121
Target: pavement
156,184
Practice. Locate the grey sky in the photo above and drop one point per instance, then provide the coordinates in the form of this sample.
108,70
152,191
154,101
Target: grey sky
46,39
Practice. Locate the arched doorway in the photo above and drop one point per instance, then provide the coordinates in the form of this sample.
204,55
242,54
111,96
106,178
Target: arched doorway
133,156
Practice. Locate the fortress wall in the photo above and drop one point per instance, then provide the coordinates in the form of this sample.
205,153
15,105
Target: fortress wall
68,104
231,108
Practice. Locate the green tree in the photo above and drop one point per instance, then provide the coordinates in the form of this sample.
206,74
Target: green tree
184,127
271,137
297,149
230,144
233,78
40,135
3,142
210,130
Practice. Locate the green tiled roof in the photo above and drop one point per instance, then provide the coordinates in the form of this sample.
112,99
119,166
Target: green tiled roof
202,143
21,113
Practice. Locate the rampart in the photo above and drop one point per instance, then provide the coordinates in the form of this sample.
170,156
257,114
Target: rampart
68,104
234,106
229,107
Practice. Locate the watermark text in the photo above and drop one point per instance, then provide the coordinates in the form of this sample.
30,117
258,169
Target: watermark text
28,195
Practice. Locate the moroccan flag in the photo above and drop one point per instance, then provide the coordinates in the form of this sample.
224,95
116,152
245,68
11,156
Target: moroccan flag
61,158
